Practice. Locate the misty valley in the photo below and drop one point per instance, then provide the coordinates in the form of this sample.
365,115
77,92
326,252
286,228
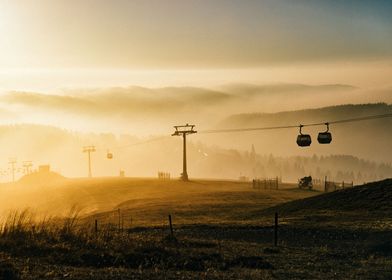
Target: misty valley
212,140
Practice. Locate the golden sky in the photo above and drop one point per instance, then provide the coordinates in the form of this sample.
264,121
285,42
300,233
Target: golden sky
50,44
141,66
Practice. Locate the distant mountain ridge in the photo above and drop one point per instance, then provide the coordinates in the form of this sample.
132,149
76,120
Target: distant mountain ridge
366,144
116,109
329,113
284,88
369,139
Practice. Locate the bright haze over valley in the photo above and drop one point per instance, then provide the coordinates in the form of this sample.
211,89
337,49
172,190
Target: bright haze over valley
195,139
76,73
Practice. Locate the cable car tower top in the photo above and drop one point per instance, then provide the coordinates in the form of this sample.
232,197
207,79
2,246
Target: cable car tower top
184,130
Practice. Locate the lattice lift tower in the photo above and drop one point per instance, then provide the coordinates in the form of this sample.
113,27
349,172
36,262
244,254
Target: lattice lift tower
12,162
89,150
184,130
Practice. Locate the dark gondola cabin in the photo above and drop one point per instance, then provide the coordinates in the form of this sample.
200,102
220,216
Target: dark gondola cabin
324,137
304,140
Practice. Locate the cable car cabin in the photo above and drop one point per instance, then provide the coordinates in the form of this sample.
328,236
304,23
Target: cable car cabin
109,155
304,140
324,137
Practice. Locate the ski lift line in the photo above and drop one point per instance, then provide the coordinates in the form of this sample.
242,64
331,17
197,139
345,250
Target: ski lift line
246,129
142,142
297,126
135,144
389,115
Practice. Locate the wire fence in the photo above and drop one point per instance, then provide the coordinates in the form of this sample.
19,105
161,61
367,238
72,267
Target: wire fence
330,186
266,183
120,220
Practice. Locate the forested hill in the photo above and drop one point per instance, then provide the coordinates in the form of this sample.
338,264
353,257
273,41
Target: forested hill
369,139
310,116
62,149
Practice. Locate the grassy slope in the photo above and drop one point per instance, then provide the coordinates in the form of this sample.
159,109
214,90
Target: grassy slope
203,202
309,249
199,197
373,198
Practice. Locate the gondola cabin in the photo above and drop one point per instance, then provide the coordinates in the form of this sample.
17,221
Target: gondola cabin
304,140
324,137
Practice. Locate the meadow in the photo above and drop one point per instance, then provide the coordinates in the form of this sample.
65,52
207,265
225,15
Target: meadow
221,230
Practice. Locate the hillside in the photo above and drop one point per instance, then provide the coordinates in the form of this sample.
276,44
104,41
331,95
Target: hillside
211,232
147,200
313,115
38,178
367,139
372,198
350,157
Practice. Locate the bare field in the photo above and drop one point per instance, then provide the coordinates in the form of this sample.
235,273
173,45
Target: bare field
222,230
147,200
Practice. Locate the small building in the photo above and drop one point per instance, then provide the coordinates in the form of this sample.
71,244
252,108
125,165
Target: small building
44,168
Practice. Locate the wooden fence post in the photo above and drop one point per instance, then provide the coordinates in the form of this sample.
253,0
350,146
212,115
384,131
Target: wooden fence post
119,219
325,184
276,230
171,226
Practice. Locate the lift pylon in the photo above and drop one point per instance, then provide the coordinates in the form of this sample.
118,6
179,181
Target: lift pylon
184,130
89,150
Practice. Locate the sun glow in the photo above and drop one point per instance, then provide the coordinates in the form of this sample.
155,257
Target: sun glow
365,75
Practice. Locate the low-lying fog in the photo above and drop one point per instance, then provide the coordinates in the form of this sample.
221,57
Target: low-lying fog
114,119
146,111
134,124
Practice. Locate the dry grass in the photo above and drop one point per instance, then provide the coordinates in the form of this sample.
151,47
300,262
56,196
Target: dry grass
105,194
53,248
233,244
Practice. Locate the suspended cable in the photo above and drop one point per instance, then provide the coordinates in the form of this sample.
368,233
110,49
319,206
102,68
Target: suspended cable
366,118
389,115
137,143
143,142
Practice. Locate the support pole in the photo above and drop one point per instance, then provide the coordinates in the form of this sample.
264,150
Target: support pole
171,226
325,184
89,165
184,169
183,130
119,219
276,230
12,162
89,150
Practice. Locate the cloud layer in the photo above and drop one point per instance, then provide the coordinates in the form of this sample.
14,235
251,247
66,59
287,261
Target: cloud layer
117,109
